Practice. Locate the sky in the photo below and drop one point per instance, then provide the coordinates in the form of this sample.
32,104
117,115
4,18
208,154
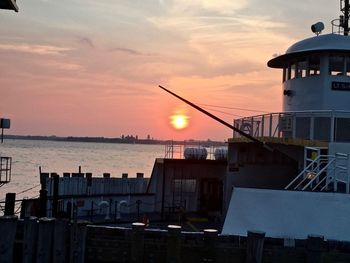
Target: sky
92,68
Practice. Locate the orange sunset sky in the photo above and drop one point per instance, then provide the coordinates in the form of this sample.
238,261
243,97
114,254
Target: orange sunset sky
92,67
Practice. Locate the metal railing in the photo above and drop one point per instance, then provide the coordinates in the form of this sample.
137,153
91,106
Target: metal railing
175,150
5,170
305,125
321,173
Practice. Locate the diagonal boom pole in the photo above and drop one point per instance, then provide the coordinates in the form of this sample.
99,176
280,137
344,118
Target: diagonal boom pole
219,120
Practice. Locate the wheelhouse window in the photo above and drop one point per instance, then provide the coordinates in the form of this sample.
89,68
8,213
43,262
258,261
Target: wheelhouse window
302,68
293,70
337,65
347,66
314,66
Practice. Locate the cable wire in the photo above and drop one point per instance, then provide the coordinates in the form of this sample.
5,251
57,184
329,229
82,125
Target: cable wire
234,108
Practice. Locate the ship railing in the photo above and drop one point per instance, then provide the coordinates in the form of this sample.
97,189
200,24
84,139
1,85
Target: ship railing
337,26
175,150
320,125
5,170
323,171
341,171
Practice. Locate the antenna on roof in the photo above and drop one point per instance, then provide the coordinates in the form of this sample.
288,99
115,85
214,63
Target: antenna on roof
344,19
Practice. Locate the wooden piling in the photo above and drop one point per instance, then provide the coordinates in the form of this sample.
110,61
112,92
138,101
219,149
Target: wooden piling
43,179
55,195
210,243
77,243
137,243
315,247
10,200
8,226
43,202
60,252
173,252
255,246
30,237
45,240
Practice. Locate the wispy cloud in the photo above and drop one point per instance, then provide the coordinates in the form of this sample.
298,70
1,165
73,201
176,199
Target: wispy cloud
129,51
86,42
219,6
64,65
35,49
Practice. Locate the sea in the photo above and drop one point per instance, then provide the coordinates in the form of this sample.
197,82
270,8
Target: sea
57,156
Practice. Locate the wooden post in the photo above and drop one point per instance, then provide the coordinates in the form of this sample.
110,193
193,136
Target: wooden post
55,194
315,246
61,241
43,179
255,246
8,226
43,202
45,240
10,204
77,243
137,243
173,252
30,238
210,244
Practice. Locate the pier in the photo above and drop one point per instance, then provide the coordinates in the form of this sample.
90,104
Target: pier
57,240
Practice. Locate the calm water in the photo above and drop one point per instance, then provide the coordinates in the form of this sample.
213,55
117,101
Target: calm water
60,157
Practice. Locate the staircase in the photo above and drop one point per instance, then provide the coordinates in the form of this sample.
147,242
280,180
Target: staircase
322,172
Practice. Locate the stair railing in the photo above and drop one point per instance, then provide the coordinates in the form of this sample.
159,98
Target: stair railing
307,169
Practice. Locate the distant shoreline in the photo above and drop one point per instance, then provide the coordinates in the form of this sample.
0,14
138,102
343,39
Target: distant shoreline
127,140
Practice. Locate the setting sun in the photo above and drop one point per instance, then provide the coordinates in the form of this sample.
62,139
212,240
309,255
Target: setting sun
179,121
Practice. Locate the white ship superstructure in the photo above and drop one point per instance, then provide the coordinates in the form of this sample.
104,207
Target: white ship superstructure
310,138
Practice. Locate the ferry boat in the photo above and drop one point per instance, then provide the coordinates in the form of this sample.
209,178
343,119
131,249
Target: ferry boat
286,173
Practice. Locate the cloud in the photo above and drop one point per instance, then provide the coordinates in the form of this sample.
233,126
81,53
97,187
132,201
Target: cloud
219,6
35,49
64,65
86,42
129,51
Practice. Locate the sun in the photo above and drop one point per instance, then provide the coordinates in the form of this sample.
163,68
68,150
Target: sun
179,121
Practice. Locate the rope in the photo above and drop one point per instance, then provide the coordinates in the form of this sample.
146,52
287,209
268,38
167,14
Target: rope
26,190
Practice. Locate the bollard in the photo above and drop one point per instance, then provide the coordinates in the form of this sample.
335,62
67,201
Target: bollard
137,243
315,246
106,175
45,240
30,237
173,252
10,204
210,243
255,246
8,226
60,251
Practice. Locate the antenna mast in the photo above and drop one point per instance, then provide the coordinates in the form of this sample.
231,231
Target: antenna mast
344,19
